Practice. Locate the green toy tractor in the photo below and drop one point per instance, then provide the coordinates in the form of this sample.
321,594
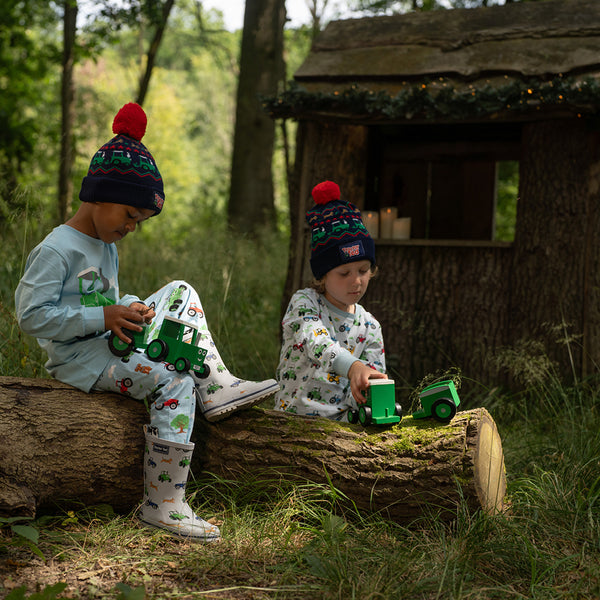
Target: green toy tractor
168,346
439,400
380,408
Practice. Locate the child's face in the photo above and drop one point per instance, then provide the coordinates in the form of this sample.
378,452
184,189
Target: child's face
112,222
346,285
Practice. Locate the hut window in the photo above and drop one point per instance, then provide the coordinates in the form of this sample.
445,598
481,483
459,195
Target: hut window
507,192
455,182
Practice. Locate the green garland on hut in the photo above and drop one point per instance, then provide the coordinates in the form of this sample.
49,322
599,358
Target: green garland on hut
442,99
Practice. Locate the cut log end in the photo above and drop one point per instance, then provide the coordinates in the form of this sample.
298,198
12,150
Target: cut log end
400,471
489,470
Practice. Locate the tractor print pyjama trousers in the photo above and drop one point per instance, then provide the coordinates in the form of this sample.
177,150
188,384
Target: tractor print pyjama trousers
169,395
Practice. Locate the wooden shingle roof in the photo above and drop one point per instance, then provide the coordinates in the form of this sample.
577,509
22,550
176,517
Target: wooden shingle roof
453,65
518,40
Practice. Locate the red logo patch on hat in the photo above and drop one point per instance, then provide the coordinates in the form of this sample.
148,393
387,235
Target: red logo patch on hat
158,201
352,250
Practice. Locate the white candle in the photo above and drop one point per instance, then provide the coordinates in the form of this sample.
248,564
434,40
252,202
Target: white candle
401,229
371,222
386,221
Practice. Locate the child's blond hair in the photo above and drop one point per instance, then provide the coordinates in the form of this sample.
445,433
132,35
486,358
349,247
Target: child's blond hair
319,284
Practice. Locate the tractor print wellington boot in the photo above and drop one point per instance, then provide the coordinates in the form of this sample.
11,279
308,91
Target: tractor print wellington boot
166,468
221,393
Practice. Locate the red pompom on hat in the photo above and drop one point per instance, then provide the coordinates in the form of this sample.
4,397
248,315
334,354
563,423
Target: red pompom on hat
131,121
325,192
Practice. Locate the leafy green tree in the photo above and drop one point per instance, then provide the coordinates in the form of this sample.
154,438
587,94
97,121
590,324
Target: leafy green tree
67,102
317,9
28,54
160,25
180,422
156,13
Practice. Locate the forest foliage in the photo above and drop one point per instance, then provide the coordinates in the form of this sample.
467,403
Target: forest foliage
190,105
191,112
190,108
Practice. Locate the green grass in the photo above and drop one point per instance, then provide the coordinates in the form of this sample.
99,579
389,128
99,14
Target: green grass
293,541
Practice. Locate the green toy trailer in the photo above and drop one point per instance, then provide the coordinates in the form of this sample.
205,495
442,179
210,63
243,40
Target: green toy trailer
168,346
381,407
439,400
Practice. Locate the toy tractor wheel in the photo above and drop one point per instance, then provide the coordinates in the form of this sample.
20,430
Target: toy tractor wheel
203,372
117,346
443,410
398,409
182,364
352,416
157,350
365,414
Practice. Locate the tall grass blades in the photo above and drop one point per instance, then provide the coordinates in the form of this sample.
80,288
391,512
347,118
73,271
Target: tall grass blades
239,280
20,355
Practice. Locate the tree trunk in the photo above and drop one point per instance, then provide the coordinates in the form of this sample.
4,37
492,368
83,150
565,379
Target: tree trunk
65,182
400,471
61,444
153,51
251,199
554,296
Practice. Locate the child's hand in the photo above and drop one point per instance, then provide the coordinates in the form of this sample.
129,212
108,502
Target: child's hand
359,375
145,312
118,317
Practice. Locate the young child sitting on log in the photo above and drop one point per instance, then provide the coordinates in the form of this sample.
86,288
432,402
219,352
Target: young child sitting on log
69,300
331,345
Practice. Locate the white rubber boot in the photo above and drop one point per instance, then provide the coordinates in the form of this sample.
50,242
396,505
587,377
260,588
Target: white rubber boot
221,393
166,469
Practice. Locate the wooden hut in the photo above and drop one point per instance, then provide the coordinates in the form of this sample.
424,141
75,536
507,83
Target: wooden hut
417,112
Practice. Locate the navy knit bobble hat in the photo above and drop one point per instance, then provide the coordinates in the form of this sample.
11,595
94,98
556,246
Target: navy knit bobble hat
123,170
338,233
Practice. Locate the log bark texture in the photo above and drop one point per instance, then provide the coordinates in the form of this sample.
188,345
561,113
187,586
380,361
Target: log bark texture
59,444
401,471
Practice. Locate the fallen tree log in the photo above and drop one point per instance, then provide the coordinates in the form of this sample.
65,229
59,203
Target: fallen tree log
60,444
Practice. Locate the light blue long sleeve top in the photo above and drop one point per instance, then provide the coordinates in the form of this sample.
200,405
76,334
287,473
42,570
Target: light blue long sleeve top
69,277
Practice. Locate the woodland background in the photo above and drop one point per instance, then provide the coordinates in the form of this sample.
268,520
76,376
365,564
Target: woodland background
65,69
62,78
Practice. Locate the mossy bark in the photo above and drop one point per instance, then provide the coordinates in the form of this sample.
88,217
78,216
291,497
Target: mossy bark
401,471
60,445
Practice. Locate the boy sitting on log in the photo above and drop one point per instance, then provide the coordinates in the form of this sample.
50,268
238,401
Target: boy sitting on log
69,300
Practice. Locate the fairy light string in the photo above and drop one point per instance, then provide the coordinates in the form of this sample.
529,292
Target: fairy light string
443,98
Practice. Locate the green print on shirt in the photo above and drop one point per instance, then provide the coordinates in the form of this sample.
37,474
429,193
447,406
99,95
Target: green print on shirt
91,285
